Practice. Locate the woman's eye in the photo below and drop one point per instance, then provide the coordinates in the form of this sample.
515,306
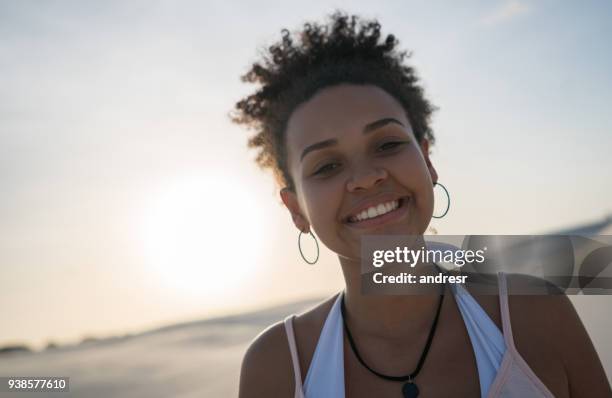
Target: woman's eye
327,168
390,145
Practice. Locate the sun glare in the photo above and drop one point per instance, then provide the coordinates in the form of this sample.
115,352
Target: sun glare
202,235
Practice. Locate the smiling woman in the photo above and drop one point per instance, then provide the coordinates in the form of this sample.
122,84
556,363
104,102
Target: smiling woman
344,125
189,236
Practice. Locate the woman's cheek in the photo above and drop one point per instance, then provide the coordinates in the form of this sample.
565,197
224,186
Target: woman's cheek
318,203
324,207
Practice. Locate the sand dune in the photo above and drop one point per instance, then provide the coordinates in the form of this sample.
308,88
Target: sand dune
195,359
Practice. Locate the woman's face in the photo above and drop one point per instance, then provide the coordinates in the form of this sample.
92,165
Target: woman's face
357,167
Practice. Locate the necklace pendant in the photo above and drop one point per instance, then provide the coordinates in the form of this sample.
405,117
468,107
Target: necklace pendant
410,390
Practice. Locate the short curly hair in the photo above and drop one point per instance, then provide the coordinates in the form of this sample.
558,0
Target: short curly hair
345,50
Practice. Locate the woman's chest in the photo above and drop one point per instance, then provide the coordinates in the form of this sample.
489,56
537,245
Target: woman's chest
449,370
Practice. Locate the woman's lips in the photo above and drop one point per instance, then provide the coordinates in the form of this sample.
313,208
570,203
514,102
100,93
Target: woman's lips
385,218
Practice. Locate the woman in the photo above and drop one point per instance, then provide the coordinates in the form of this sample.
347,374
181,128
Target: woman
345,127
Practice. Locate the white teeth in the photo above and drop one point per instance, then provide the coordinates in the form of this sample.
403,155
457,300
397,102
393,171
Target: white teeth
375,211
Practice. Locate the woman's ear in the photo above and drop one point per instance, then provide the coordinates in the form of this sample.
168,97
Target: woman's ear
432,170
290,201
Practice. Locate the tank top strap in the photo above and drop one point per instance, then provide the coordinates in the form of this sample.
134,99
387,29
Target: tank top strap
515,377
505,310
294,356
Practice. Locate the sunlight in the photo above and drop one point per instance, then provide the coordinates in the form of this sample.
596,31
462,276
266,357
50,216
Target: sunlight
203,235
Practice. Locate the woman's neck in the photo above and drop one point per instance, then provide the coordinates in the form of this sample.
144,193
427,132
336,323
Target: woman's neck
388,317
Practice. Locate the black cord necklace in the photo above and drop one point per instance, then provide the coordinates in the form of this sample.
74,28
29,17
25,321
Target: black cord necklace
409,390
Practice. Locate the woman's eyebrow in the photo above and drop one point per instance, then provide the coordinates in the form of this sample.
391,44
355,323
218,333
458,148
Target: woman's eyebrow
379,123
332,141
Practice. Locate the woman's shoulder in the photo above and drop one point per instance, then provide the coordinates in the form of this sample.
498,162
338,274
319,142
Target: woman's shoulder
264,370
267,368
547,332
551,338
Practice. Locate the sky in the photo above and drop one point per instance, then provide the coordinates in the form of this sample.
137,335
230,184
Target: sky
130,201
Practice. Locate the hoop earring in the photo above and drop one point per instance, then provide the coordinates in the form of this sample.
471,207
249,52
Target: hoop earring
448,203
300,247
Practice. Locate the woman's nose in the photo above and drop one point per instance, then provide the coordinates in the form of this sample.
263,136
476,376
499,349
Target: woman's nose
366,179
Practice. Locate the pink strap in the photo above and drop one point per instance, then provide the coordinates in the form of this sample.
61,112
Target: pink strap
512,356
505,310
294,356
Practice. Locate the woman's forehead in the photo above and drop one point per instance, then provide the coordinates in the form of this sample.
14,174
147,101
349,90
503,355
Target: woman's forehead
339,110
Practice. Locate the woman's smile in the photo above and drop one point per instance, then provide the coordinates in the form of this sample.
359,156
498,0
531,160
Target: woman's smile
380,213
